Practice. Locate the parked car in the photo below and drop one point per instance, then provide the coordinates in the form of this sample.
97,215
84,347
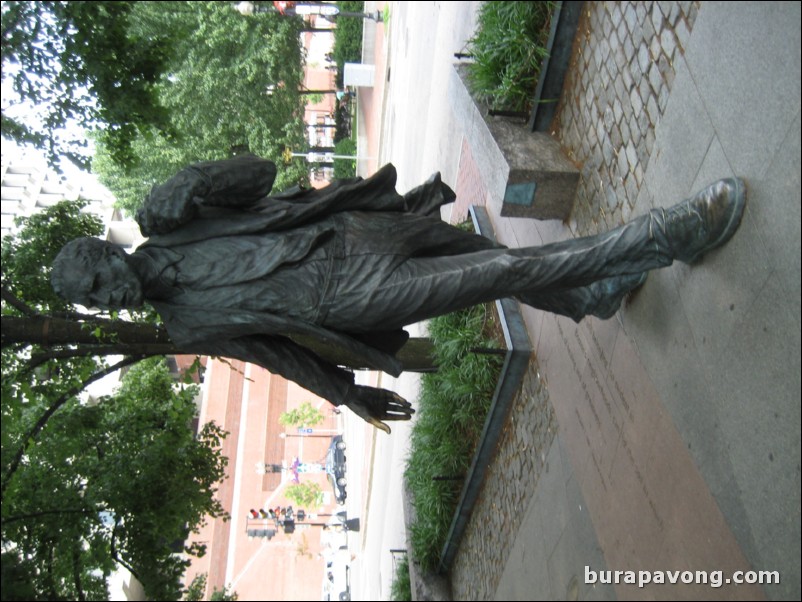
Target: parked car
337,580
335,468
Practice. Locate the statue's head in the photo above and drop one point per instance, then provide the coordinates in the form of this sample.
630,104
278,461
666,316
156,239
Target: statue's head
96,273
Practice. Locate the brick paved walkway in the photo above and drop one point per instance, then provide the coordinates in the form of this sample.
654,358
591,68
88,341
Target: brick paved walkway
662,457
470,189
618,86
617,89
509,486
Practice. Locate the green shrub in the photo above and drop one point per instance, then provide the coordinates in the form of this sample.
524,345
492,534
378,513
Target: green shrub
401,588
347,38
508,49
304,415
451,413
345,168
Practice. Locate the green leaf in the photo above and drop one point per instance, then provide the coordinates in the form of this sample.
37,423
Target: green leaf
231,86
82,62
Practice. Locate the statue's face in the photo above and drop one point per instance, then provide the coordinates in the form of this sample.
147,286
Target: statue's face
114,284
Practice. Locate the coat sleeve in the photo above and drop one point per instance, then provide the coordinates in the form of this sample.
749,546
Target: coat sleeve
282,356
191,327
238,182
427,198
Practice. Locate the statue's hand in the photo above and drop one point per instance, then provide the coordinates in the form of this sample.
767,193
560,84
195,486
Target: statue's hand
172,204
160,216
374,405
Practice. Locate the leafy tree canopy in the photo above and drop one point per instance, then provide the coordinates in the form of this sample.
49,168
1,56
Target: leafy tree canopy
197,591
27,256
117,483
306,495
231,86
304,415
80,64
89,487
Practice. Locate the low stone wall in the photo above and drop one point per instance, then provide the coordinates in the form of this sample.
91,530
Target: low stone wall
527,172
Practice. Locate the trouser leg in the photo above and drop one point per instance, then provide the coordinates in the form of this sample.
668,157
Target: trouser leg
387,292
601,299
383,292
635,247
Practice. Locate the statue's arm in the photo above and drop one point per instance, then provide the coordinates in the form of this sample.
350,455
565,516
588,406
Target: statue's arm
237,182
282,356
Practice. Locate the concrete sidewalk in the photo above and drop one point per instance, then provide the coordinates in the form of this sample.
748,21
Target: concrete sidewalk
666,438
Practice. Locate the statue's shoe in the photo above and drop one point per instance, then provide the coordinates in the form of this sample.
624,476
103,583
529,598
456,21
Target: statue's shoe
705,221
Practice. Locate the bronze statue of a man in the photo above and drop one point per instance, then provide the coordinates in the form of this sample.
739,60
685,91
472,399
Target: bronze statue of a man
235,272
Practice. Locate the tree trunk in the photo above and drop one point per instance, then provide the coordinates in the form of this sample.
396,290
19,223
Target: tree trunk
120,337
131,337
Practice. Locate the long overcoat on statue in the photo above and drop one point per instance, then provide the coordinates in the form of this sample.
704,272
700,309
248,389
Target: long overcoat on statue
218,200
